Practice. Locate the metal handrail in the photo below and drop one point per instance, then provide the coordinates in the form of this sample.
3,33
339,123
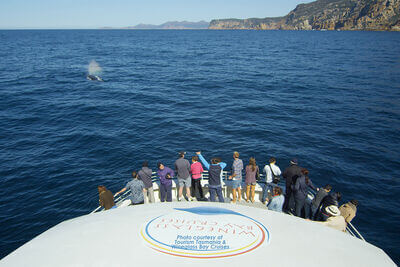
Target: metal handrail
358,235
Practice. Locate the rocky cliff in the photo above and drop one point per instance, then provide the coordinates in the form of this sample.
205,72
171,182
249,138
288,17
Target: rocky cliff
374,15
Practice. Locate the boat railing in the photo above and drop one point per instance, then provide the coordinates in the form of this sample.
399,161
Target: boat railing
351,229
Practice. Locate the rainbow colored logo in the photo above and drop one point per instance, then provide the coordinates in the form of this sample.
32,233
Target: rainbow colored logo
204,233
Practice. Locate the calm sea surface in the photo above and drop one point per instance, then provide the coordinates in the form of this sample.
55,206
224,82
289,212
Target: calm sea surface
331,99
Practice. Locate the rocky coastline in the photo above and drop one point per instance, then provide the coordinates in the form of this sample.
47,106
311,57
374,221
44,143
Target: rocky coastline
366,15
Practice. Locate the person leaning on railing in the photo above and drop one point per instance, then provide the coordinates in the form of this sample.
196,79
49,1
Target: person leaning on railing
106,198
322,192
331,199
137,189
349,210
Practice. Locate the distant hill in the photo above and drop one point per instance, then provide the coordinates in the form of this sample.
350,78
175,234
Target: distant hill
374,15
181,25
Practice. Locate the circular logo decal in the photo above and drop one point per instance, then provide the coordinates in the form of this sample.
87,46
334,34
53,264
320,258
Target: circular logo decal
204,232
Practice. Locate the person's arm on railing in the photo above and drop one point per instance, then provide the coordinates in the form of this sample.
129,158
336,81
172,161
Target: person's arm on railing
120,191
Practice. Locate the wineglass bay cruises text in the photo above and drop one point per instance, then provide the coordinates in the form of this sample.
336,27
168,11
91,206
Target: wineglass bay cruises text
204,232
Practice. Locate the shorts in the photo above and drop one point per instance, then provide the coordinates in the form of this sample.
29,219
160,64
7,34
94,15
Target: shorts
185,182
234,183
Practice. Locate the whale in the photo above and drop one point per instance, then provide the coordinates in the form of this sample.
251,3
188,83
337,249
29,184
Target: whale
91,77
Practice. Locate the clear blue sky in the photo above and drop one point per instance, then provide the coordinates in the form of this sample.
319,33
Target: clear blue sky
121,13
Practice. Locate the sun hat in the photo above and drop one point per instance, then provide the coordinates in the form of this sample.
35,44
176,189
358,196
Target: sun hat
332,210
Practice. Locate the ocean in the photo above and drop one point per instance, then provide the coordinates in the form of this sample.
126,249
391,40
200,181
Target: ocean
330,99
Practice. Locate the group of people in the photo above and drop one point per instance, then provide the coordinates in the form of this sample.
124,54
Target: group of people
324,207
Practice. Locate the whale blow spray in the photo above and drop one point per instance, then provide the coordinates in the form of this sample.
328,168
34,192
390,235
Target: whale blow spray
94,71
94,68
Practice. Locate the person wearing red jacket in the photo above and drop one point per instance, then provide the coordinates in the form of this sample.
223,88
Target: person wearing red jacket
196,169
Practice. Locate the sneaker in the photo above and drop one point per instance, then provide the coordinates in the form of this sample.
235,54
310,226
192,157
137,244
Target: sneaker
191,199
179,199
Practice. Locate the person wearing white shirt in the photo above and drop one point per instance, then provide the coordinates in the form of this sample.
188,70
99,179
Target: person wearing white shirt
270,171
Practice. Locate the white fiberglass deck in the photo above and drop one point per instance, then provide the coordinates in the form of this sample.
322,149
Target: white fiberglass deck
195,234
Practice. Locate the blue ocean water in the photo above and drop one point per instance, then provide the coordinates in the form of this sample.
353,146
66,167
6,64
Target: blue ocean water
331,99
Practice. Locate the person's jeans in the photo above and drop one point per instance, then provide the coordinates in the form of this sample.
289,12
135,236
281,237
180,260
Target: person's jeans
197,190
149,196
267,191
166,191
216,191
313,212
299,204
289,201
307,208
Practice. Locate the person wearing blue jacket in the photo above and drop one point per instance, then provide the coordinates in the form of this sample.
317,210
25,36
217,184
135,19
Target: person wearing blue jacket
214,176
276,202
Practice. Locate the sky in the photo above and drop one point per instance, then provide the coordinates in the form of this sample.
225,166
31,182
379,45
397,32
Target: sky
88,14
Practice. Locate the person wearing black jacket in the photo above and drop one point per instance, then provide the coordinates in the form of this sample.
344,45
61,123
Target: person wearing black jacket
329,200
300,191
290,174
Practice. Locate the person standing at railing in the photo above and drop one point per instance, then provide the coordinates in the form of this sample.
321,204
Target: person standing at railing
182,168
252,174
145,175
106,198
136,187
290,174
214,176
272,172
196,170
165,175
236,177
300,191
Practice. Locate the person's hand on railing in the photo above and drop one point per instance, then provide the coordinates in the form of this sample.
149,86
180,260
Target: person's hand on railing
198,152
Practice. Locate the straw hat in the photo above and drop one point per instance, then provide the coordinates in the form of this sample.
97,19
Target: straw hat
332,210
